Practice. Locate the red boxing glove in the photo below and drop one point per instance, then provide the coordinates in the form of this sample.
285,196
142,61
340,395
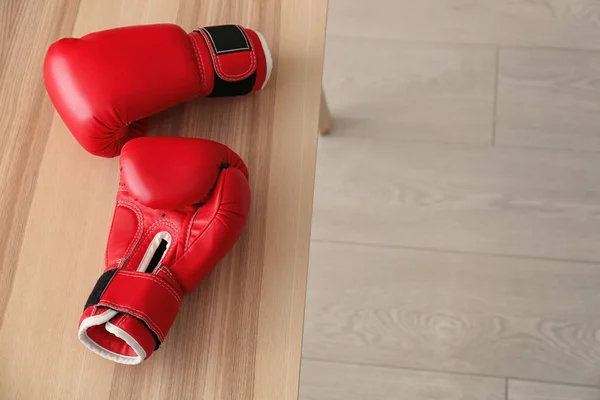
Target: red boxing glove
182,204
105,84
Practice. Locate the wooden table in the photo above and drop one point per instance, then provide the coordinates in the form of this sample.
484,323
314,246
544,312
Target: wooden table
239,335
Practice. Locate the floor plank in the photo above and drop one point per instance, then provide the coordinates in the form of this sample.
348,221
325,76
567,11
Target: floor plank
335,381
523,390
549,98
555,23
459,197
499,316
421,92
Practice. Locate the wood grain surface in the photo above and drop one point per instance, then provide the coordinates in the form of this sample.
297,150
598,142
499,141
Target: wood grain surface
335,381
453,312
524,390
239,335
552,23
456,219
549,98
422,92
495,200
26,30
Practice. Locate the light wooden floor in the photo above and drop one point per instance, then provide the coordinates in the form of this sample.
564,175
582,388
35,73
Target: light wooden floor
456,226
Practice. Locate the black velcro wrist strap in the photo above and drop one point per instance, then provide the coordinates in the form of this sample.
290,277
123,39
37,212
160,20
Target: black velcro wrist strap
225,42
227,39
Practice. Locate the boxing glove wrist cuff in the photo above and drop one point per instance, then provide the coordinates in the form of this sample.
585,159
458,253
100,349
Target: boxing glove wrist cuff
241,60
149,301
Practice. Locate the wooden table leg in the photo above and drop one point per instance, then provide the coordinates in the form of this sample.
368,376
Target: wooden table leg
324,116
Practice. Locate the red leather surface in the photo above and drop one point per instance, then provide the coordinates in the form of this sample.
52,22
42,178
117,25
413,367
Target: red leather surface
180,186
105,84
205,67
214,230
186,180
102,83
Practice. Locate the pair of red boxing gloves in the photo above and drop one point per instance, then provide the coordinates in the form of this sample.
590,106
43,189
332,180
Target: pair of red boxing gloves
182,203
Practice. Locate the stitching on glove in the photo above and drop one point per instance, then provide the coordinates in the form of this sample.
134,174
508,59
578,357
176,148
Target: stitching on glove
156,279
217,63
167,271
187,240
138,232
200,63
140,229
143,316
120,319
216,213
